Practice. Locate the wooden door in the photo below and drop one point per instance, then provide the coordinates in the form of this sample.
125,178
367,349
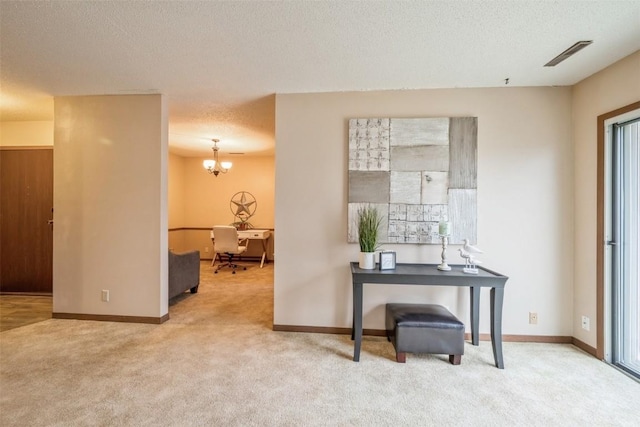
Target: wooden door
26,204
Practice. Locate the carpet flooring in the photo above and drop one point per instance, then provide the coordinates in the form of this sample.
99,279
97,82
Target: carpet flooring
217,362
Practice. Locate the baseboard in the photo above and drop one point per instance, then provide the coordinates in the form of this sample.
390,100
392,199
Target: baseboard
311,329
383,333
26,147
554,339
327,330
584,347
111,318
28,294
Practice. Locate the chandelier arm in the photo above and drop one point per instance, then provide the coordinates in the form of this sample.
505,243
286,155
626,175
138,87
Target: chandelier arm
215,166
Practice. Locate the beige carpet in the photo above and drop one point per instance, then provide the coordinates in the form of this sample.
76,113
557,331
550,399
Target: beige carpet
218,363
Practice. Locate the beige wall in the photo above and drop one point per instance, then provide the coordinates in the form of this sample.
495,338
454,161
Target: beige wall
529,157
26,133
200,200
110,205
525,205
175,192
207,197
608,90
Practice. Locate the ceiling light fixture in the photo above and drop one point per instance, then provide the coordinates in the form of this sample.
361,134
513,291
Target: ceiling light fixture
567,53
215,166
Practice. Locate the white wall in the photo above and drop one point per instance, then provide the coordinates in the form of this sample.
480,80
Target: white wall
525,205
612,88
110,205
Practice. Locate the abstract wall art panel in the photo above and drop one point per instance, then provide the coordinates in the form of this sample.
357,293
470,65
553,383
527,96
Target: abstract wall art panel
461,202
417,172
434,188
404,187
364,186
417,132
369,144
463,152
425,157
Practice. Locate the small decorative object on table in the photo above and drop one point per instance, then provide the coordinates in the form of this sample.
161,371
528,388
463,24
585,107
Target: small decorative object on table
387,260
470,261
369,220
444,232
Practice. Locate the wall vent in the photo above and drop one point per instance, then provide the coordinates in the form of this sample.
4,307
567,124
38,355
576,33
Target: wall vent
567,53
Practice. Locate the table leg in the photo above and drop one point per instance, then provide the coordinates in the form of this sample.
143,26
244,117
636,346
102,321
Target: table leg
497,297
475,314
215,254
353,314
357,320
264,252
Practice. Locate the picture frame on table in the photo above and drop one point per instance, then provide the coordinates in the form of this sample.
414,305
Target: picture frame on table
387,260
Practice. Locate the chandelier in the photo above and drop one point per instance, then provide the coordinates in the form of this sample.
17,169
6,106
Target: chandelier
215,166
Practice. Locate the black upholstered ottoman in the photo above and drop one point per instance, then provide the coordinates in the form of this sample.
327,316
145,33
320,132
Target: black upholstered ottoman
424,328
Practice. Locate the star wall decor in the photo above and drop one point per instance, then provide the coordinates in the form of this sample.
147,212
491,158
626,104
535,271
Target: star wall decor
243,205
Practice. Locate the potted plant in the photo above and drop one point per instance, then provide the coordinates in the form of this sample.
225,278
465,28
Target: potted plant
368,225
242,224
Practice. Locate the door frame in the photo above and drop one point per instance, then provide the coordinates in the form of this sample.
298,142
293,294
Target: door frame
601,225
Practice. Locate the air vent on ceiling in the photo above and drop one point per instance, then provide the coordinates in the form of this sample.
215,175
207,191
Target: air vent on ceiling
567,53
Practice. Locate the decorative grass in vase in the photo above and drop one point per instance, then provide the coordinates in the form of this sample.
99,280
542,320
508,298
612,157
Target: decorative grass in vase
368,226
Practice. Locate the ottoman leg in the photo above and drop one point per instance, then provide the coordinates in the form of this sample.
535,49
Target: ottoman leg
401,357
455,359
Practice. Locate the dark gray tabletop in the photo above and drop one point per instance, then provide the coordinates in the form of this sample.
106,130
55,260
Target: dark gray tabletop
428,274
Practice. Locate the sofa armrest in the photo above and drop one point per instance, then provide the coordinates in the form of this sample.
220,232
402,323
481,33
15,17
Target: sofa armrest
184,272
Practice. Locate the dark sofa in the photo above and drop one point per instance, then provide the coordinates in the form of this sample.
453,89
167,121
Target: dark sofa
184,272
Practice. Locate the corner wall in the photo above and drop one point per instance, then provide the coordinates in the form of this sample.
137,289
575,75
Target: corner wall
110,205
525,205
614,87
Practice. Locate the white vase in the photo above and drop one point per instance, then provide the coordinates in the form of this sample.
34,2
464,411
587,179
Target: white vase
367,260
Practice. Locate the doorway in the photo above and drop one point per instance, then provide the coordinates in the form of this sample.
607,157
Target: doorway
622,235
26,242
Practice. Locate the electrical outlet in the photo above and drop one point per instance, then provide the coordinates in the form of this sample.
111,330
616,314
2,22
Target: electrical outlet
533,318
105,295
206,249
586,323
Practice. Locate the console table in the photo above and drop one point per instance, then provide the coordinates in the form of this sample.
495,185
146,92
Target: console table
429,275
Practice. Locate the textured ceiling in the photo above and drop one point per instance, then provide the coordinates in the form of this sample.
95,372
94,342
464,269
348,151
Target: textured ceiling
220,63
